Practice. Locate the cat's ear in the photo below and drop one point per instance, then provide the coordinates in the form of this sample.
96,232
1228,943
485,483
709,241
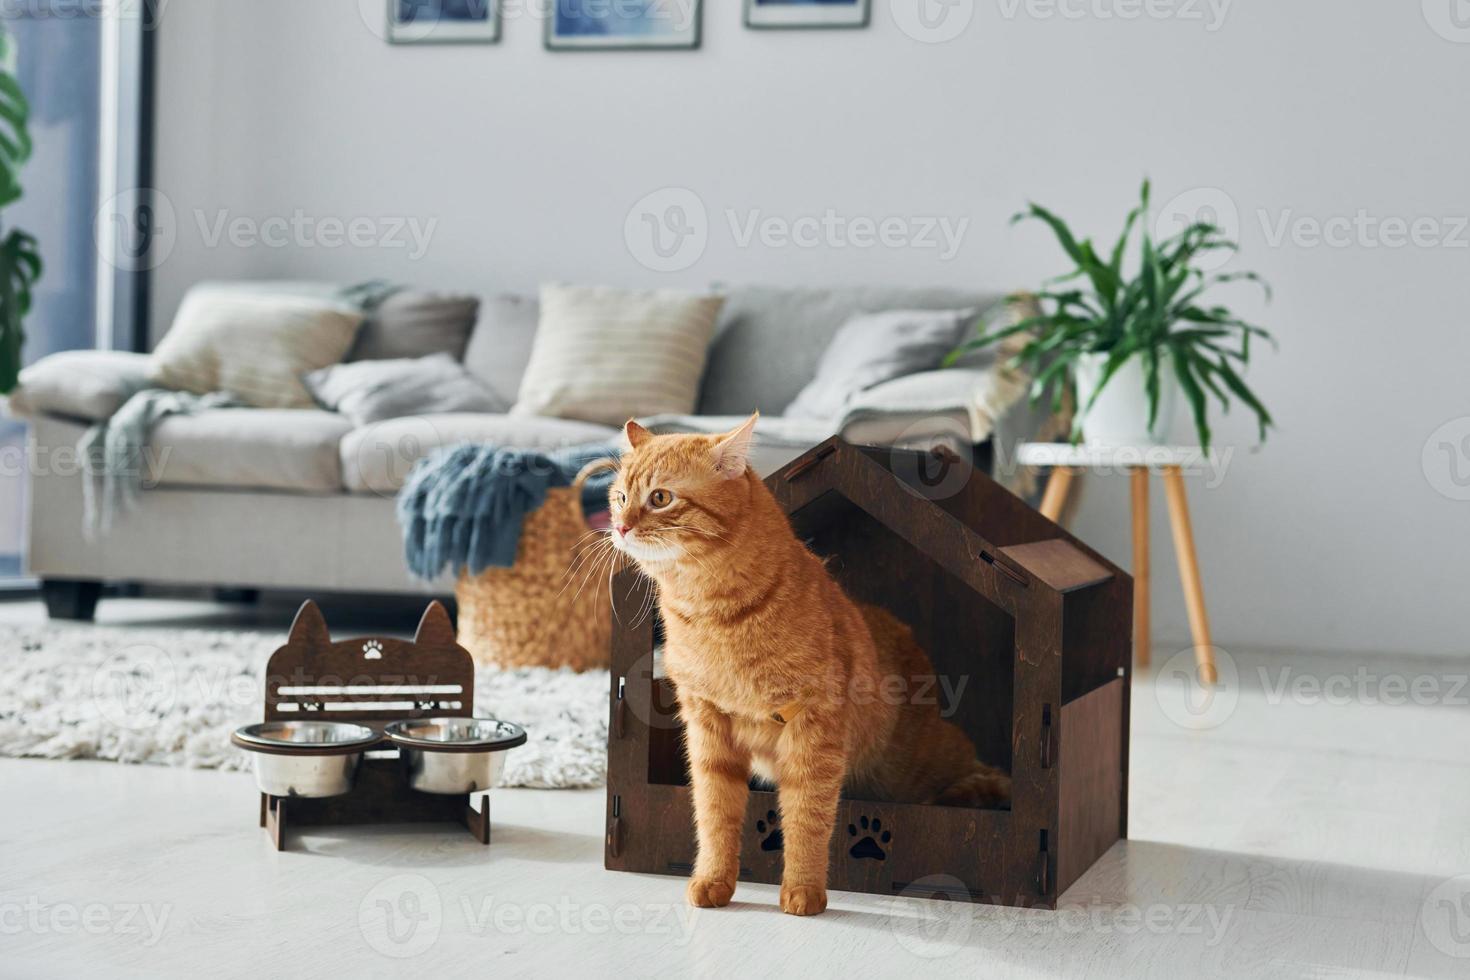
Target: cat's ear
636,434
732,451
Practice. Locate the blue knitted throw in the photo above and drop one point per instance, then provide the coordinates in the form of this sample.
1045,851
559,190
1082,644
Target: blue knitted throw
463,506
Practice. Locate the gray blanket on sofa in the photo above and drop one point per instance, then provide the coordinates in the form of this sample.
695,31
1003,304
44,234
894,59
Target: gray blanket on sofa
114,452
462,507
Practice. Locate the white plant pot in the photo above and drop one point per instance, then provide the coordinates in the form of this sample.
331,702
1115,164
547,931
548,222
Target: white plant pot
1119,417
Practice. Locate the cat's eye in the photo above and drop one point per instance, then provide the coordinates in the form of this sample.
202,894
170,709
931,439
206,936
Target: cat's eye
660,498
622,497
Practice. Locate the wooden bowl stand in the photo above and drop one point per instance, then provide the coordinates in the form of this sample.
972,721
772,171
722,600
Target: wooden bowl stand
312,678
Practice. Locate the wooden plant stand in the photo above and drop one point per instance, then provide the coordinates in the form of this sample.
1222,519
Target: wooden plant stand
1034,623
312,678
1068,463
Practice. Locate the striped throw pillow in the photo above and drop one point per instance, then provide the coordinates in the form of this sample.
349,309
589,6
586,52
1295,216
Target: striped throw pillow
253,345
607,355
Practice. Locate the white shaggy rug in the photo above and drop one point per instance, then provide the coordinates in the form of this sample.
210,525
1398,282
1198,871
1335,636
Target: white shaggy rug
172,697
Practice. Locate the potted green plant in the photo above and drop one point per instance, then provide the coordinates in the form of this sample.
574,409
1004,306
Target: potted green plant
20,260
1124,347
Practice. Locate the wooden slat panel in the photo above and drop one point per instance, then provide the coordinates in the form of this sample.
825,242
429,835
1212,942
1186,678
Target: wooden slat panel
1059,564
1091,770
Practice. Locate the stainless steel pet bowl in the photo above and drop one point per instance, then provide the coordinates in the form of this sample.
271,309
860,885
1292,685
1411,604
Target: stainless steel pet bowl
305,758
453,755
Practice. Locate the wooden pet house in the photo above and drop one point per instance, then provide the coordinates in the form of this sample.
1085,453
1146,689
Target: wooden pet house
1029,632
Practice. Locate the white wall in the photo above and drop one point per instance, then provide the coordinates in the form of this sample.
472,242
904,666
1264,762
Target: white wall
1331,537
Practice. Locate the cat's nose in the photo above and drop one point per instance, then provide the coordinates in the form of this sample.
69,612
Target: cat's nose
623,530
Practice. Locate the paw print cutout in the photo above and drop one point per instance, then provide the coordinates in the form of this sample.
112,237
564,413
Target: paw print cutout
372,650
770,831
874,843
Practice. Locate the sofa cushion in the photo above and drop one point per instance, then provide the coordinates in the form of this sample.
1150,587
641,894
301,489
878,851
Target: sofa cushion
500,346
769,340
81,384
416,323
252,344
267,448
604,354
377,458
371,391
872,348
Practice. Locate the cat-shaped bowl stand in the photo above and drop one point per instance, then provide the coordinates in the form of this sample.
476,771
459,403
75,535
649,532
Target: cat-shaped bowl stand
371,681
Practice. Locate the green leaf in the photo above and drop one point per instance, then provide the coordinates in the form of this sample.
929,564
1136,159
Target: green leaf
1059,228
1242,391
1205,370
1115,262
1151,383
1195,395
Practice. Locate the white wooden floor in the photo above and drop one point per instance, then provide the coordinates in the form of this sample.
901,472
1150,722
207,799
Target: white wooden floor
1295,838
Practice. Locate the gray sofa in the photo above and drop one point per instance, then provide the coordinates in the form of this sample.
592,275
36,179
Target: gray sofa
302,500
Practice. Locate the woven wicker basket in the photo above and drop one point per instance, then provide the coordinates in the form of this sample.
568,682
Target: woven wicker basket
540,612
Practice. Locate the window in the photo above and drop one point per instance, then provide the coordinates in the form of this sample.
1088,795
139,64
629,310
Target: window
84,76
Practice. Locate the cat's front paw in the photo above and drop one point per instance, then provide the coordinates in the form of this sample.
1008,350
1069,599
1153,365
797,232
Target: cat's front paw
803,899
710,893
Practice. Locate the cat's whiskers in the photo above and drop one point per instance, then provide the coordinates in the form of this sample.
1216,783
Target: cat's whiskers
583,555
649,601
604,551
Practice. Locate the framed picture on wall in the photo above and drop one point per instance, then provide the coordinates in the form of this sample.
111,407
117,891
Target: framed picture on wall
590,25
443,21
806,13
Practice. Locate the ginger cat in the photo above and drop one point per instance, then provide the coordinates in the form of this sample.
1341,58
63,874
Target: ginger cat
776,671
